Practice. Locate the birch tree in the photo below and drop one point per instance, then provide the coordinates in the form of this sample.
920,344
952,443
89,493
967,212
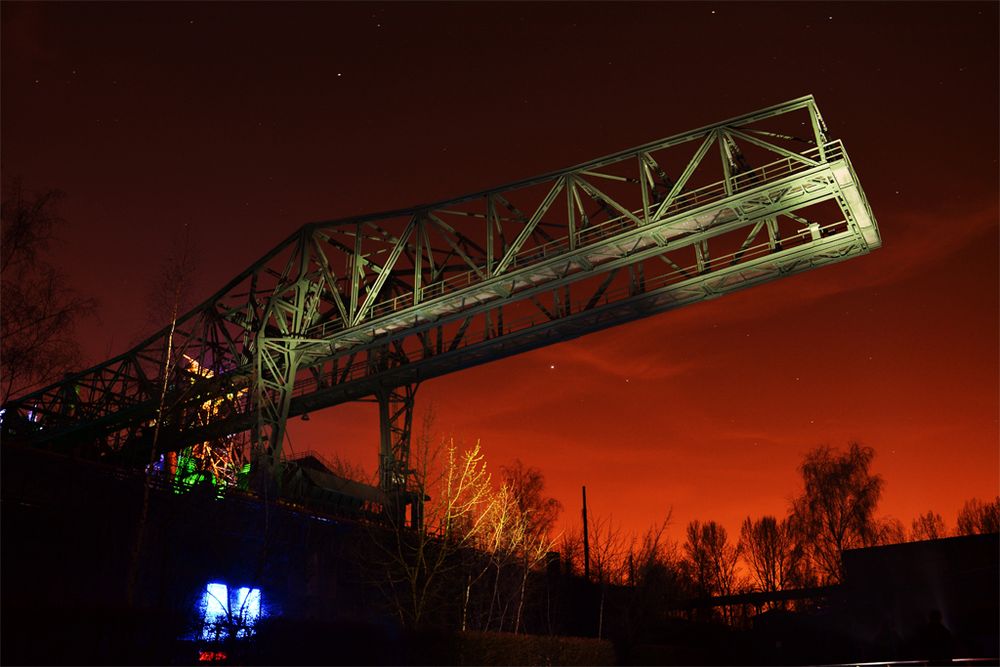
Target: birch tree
836,509
420,564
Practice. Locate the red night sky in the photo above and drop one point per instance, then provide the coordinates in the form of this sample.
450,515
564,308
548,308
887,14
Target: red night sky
244,121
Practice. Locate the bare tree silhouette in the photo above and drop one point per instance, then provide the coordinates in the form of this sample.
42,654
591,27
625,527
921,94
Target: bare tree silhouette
977,517
836,510
38,308
712,557
928,526
769,548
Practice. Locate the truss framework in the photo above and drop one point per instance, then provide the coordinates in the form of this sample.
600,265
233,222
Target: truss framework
372,305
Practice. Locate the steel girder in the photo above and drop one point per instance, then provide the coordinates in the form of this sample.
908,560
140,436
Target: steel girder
365,306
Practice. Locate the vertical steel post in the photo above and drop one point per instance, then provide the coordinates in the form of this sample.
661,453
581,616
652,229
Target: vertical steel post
586,539
395,409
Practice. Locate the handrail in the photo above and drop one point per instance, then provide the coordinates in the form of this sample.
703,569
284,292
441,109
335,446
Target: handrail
590,236
360,369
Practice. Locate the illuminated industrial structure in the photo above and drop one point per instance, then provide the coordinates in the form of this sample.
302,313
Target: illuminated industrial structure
370,306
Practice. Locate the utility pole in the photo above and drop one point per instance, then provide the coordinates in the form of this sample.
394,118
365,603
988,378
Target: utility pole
586,539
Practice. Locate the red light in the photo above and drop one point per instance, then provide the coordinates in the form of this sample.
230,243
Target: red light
211,656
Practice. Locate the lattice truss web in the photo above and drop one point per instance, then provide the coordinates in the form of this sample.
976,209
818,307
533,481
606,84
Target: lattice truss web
222,461
346,309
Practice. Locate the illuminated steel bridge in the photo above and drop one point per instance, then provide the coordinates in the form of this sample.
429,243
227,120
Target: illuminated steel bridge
370,306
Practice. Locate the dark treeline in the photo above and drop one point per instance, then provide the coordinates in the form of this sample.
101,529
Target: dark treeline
485,558
835,510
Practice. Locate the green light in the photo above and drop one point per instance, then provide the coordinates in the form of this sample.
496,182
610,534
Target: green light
187,474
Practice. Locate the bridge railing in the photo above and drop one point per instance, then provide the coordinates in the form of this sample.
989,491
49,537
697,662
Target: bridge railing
363,368
712,193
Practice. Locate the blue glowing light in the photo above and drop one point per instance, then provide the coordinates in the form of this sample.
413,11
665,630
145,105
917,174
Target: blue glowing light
247,610
157,467
223,610
215,604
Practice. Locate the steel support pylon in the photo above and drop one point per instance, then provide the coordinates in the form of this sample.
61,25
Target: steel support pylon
276,366
403,488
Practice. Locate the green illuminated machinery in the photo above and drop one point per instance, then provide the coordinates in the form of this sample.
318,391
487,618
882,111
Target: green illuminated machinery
370,306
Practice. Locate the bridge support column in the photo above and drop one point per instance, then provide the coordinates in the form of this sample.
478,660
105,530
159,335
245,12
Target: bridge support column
395,411
277,364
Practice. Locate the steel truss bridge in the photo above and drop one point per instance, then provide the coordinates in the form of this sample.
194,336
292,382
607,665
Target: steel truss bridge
370,306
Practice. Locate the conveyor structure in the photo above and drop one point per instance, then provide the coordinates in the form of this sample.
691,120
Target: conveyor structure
370,306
